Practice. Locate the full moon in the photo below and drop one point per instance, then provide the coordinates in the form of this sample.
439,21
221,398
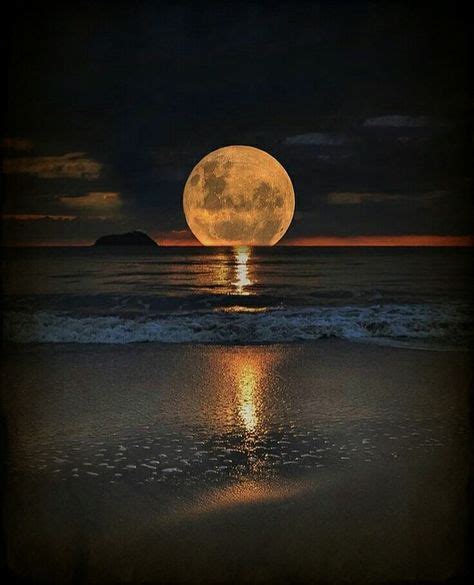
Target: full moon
238,196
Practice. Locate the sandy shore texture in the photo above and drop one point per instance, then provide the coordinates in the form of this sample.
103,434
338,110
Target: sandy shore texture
309,463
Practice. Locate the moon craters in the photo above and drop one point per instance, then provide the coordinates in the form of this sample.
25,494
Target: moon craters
238,195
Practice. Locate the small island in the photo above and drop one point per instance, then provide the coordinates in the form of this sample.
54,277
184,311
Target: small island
134,238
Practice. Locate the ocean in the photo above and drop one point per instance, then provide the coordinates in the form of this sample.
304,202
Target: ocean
268,431
414,296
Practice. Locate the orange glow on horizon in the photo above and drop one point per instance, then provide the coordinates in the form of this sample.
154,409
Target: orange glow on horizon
402,240
37,217
178,243
329,241
55,244
317,241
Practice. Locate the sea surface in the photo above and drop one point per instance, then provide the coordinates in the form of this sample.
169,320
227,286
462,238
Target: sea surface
255,438
411,296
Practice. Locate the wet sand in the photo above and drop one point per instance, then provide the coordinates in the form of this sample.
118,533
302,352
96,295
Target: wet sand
323,462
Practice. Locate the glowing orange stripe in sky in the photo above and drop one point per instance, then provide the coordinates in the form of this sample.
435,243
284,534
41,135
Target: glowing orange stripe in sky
38,217
407,240
51,244
426,241
171,242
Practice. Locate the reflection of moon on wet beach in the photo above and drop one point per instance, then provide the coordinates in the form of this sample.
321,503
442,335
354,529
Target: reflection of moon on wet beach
238,195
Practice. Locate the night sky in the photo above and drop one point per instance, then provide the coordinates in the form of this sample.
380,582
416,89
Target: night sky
109,107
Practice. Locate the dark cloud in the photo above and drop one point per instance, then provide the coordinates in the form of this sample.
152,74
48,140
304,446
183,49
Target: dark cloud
317,139
16,144
354,198
37,217
74,165
399,121
360,98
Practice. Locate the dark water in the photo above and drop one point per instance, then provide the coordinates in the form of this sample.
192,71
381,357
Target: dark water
244,460
239,295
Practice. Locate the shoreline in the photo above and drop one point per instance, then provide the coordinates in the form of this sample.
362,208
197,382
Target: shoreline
412,345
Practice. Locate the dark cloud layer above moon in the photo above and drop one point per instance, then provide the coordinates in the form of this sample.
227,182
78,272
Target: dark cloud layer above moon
351,97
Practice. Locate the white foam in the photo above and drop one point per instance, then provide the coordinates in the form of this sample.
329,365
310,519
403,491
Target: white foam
394,322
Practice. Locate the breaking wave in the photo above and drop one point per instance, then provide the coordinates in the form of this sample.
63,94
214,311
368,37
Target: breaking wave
445,323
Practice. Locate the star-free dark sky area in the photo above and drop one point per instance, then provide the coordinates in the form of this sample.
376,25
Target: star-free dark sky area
109,107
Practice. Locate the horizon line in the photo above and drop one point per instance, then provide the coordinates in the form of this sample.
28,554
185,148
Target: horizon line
399,241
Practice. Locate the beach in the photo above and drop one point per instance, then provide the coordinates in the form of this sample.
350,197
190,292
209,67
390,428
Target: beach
237,294
327,461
